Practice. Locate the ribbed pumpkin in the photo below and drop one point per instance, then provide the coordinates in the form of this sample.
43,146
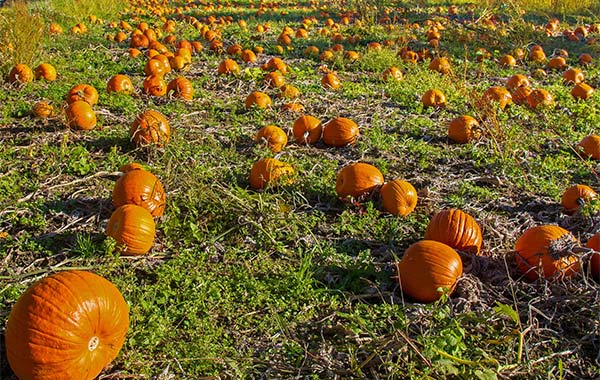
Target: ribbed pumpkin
142,188
507,60
274,79
340,131
84,92
150,127
307,129
590,146
67,326
576,196
463,129
538,253
594,243
181,87
427,266
433,98
497,95
45,71
20,73
80,116
273,136
269,171
42,110
155,85
356,179
276,63
457,229
258,99
399,197
133,228
516,81
520,95
573,76
119,83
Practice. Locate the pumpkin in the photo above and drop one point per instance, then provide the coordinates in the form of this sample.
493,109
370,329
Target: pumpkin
270,171
576,196
133,228
508,60
410,56
181,87
590,146
516,81
498,95
293,107
427,266
235,49
441,65
594,243
356,179
557,63
307,129
585,59
340,132
42,110
457,229
139,41
463,129
352,56
274,64
248,56
520,94
274,79
150,127
119,83
573,76
228,67
155,85
539,253
398,197
537,54
433,98
69,325
45,71
540,98
179,62
289,92
55,28
21,73
582,91
392,73
80,116
258,99
273,136
139,187
83,92
331,81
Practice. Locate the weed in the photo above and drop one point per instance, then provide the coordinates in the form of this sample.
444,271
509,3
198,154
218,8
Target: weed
21,35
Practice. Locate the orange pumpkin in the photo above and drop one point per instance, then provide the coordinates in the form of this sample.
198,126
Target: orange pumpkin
331,81
292,107
516,81
441,65
585,59
45,71
42,110
540,98
155,67
557,63
498,95
119,83
274,79
457,229
537,54
133,228
21,73
520,94
139,41
576,196
356,179
433,98
590,146
80,116
150,127
228,67
573,76
508,60
582,91
426,267
289,92
248,56
181,87
155,85
463,129
594,243
275,137
539,253
340,132
83,92
270,171
258,99
69,325
274,64
307,129
399,197
142,188
392,73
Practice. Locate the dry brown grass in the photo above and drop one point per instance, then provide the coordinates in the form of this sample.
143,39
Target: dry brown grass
21,34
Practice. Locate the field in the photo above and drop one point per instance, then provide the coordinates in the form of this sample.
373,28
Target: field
295,280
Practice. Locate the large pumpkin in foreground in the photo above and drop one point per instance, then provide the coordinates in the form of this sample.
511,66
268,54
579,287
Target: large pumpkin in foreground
142,188
67,326
542,251
427,266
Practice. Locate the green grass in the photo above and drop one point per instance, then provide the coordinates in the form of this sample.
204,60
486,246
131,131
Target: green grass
292,282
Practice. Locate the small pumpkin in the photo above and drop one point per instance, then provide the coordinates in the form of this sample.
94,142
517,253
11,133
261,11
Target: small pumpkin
150,127
582,91
119,83
594,243
228,67
540,253
84,92
133,228
520,94
576,196
42,110
540,98
507,60
426,267
289,92
293,107
356,179
433,98
340,131
20,73
258,99
307,129
181,87
398,197
45,71
276,63
331,81
392,73
80,116
463,129
516,81
537,54
441,65
585,59
457,229
590,146
140,187
274,79
270,171
275,137
155,85
69,325
248,56
573,76
557,63
498,95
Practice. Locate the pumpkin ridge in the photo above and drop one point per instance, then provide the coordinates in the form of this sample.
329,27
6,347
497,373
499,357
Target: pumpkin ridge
81,301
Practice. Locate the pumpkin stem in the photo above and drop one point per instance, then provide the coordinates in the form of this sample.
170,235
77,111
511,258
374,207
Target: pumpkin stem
93,343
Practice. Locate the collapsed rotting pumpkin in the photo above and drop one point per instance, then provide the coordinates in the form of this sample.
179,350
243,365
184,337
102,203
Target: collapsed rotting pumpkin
140,187
340,131
133,228
150,128
269,172
456,229
356,179
66,326
274,137
398,197
427,269
546,252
